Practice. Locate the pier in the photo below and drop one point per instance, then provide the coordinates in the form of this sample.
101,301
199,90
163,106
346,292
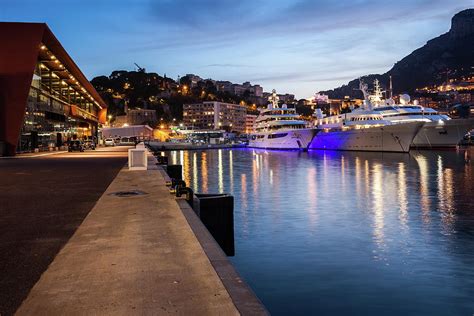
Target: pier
138,251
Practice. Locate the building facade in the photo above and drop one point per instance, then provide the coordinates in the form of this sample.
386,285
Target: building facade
240,89
250,123
45,99
215,115
136,117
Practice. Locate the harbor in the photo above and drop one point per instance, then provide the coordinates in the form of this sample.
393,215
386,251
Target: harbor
237,158
332,232
137,254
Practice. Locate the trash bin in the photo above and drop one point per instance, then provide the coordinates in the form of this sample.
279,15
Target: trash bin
216,212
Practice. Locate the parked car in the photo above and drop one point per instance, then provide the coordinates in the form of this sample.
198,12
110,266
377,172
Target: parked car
75,145
109,142
127,141
89,144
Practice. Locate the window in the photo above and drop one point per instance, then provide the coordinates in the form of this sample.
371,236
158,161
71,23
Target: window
280,135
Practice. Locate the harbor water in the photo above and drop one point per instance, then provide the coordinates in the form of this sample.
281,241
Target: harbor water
348,233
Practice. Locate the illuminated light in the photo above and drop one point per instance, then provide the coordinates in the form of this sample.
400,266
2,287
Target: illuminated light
125,125
43,47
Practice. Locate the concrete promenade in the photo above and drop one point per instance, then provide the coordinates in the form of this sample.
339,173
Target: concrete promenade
138,255
43,199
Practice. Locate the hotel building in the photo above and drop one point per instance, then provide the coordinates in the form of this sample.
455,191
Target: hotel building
45,99
215,115
250,123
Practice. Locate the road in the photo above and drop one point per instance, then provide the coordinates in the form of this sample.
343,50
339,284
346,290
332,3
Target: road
43,200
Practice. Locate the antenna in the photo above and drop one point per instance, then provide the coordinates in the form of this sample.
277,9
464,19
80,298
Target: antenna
391,88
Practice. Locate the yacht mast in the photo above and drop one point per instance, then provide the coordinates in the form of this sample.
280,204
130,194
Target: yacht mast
391,89
365,91
273,100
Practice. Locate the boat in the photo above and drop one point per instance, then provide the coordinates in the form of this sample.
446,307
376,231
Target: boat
439,130
280,128
363,129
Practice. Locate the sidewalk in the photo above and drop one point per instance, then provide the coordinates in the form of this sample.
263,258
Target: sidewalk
43,201
131,255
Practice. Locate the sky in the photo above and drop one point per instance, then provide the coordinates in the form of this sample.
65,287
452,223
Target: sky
299,47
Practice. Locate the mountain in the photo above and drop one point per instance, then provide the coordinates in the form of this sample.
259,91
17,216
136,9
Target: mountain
450,54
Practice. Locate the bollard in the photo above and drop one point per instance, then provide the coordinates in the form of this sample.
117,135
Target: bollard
175,171
162,160
180,190
216,212
176,184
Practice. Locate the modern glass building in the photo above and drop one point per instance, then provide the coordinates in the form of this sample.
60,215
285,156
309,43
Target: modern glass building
45,99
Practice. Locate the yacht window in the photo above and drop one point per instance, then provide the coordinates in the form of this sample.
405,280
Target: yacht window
277,135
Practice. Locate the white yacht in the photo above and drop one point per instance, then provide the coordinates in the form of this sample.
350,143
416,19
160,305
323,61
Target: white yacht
363,129
439,130
280,128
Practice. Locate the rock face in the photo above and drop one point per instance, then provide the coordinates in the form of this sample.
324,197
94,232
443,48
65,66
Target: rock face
452,52
462,24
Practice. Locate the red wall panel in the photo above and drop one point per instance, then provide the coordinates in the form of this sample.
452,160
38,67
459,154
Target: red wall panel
19,47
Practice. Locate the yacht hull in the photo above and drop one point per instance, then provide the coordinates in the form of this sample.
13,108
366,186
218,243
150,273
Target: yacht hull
290,139
388,138
443,134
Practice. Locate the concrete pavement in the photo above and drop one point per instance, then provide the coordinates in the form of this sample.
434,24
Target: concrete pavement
131,255
42,202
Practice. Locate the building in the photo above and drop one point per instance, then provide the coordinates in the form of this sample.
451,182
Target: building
45,99
250,123
136,117
240,89
215,115
194,79
140,132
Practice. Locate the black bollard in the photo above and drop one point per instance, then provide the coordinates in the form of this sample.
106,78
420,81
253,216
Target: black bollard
216,212
175,171
161,160
189,193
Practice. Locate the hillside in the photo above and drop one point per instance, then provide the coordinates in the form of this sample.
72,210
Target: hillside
452,52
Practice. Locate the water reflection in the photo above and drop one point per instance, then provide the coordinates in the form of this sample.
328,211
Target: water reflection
366,227
378,202
402,195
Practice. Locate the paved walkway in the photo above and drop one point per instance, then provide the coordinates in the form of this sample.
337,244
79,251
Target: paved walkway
131,255
43,200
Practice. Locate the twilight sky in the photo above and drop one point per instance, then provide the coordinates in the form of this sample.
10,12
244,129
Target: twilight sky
298,47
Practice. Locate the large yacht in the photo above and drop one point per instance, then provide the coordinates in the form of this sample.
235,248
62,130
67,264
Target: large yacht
280,128
363,129
438,131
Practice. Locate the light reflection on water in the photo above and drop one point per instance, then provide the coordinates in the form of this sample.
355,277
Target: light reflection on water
348,233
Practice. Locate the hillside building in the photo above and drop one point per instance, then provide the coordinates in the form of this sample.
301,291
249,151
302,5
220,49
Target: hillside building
215,115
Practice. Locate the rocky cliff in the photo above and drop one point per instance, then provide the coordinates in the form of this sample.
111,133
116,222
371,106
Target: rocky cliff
452,52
